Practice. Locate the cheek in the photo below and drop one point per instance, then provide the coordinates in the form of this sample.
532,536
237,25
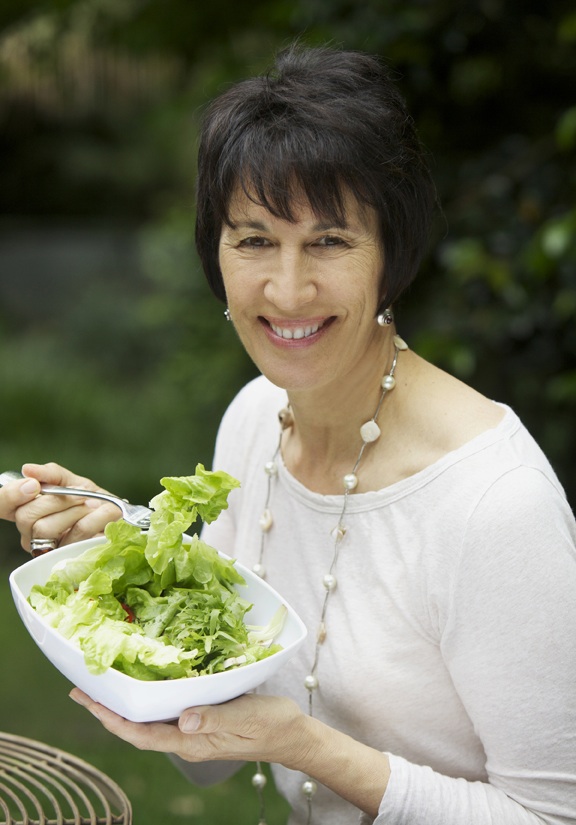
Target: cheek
243,277
364,280
243,293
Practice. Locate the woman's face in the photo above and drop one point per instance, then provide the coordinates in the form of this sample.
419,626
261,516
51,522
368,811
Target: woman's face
303,295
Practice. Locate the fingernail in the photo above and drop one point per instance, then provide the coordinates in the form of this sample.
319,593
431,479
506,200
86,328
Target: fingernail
30,486
190,723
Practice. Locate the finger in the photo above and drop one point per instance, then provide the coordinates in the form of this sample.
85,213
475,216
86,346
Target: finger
47,517
16,494
52,473
77,522
157,736
61,523
240,716
92,522
249,727
62,518
220,732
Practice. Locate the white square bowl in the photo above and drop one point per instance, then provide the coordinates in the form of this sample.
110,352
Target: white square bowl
143,701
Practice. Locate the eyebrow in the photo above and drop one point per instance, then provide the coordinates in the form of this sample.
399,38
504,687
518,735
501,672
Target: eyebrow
247,225
323,226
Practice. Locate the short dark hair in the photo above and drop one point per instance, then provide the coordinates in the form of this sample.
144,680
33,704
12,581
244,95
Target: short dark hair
322,122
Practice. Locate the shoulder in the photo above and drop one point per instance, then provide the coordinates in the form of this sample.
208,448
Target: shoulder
511,466
523,494
502,476
497,486
516,518
455,428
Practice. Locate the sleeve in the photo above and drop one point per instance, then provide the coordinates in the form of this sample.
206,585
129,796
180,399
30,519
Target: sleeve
510,646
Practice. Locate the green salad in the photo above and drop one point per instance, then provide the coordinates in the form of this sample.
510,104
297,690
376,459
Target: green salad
153,605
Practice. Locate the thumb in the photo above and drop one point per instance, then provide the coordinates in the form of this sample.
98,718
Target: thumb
27,489
236,716
198,720
15,494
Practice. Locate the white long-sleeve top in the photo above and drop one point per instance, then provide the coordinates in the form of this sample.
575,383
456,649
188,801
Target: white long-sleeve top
451,635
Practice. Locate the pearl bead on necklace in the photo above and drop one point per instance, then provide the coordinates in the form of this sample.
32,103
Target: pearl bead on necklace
369,433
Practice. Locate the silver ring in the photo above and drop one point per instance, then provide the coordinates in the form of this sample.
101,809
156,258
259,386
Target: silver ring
40,546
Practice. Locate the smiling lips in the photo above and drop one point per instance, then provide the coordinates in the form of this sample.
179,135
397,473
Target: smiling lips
296,331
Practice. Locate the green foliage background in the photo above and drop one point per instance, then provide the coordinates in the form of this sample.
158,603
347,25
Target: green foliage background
114,358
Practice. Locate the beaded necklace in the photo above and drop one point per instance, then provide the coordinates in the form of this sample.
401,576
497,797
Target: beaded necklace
369,432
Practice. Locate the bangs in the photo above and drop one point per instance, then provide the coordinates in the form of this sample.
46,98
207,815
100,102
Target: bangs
287,167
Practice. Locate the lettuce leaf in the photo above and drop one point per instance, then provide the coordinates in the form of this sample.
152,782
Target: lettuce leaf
153,605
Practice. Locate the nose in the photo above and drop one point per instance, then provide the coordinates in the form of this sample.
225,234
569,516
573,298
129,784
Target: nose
290,282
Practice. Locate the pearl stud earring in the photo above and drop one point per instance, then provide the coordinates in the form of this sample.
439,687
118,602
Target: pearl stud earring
385,318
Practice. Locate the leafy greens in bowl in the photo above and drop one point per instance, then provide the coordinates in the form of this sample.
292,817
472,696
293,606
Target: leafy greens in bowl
152,623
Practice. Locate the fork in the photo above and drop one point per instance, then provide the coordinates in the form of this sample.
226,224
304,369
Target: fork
135,514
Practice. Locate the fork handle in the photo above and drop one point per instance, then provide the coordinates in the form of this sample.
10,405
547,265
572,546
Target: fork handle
68,491
78,491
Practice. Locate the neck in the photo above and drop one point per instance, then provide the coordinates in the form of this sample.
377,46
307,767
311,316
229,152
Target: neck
325,438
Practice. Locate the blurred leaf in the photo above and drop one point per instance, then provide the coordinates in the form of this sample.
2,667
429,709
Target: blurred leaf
562,389
475,77
567,28
566,129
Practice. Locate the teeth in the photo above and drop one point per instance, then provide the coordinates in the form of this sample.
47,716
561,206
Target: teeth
297,332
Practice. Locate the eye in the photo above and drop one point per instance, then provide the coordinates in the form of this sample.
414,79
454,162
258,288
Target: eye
330,240
254,242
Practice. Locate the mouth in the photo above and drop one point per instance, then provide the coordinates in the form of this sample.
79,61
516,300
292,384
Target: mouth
297,330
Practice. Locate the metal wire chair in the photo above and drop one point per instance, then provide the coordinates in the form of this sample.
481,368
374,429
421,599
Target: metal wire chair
41,785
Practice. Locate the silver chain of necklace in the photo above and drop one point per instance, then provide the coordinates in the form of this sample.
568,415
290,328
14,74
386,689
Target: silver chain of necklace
369,432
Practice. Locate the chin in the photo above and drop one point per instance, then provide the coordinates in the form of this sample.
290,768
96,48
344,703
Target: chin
295,371
295,381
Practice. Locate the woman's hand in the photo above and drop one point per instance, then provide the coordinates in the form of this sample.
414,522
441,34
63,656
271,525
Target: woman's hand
252,727
261,728
62,518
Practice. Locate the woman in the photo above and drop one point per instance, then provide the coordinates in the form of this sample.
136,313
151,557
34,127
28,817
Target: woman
414,524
